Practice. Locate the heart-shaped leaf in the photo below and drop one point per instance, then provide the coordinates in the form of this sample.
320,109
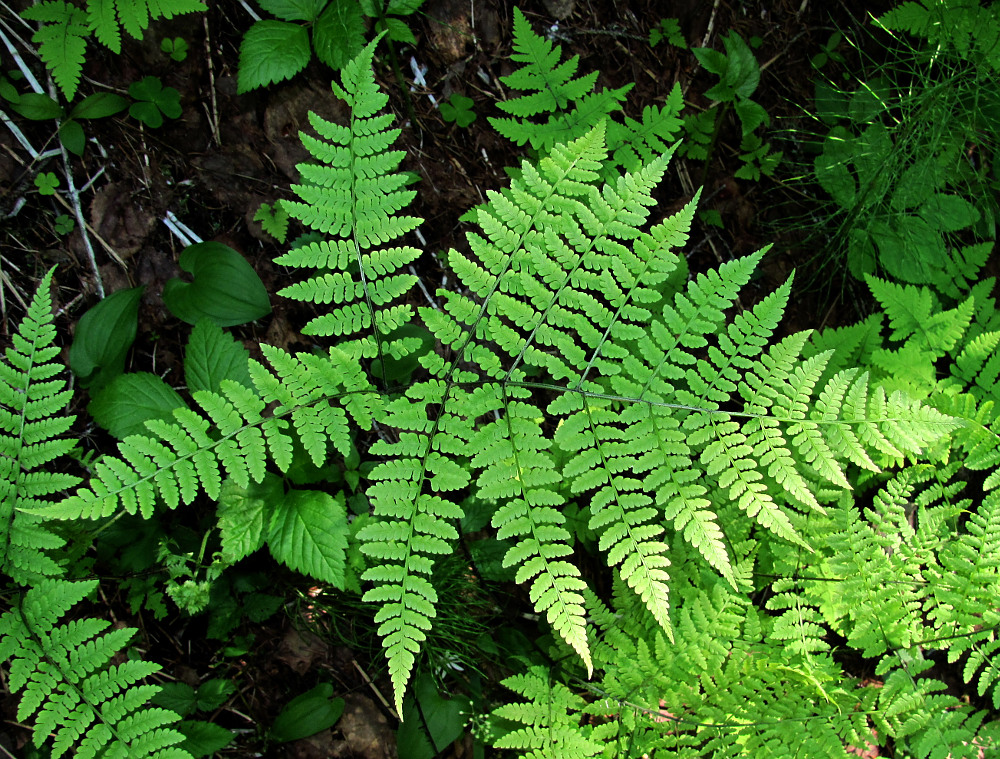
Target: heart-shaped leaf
226,290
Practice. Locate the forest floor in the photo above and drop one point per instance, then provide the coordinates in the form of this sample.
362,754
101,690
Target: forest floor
228,153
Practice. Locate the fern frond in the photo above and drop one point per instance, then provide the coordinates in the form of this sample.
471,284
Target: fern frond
70,686
32,400
186,457
570,103
355,196
109,17
61,40
549,718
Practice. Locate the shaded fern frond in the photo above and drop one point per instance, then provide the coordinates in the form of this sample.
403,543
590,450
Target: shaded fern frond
109,18
69,685
354,195
32,402
558,108
548,720
61,40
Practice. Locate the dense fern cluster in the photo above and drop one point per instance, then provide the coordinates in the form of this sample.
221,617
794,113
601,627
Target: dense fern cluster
756,497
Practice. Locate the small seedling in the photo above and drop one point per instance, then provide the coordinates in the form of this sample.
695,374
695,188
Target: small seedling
668,29
458,109
153,102
273,220
46,182
829,52
40,107
176,48
64,224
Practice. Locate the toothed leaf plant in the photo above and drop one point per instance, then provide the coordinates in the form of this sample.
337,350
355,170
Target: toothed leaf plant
755,498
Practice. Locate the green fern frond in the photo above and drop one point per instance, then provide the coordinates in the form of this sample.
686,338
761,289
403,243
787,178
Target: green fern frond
558,108
32,400
355,196
230,437
109,17
70,686
570,104
549,718
61,40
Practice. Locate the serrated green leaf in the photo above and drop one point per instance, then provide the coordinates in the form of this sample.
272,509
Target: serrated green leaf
294,10
177,697
271,51
203,738
948,213
212,356
339,33
225,288
130,400
244,514
103,336
308,533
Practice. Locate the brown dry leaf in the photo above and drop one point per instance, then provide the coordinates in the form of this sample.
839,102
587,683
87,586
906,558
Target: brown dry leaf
300,651
122,222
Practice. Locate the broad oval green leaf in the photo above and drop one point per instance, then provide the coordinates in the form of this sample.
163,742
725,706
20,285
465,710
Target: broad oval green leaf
99,105
305,715
37,107
272,51
226,290
102,339
130,400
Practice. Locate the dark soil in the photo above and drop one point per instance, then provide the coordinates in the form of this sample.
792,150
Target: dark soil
228,153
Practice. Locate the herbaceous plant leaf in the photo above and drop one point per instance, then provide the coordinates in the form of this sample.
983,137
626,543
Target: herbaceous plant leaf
339,33
294,10
308,532
130,400
224,288
272,51
212,356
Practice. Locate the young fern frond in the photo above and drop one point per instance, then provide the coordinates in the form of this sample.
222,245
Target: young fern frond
558,108
355,196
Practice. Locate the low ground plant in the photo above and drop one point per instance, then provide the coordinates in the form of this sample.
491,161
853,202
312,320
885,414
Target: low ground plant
734,540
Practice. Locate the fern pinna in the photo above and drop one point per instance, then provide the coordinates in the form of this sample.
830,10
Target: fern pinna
63,670
571,370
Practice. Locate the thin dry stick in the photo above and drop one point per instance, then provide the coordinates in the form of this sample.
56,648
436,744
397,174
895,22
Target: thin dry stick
375,690
214,120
